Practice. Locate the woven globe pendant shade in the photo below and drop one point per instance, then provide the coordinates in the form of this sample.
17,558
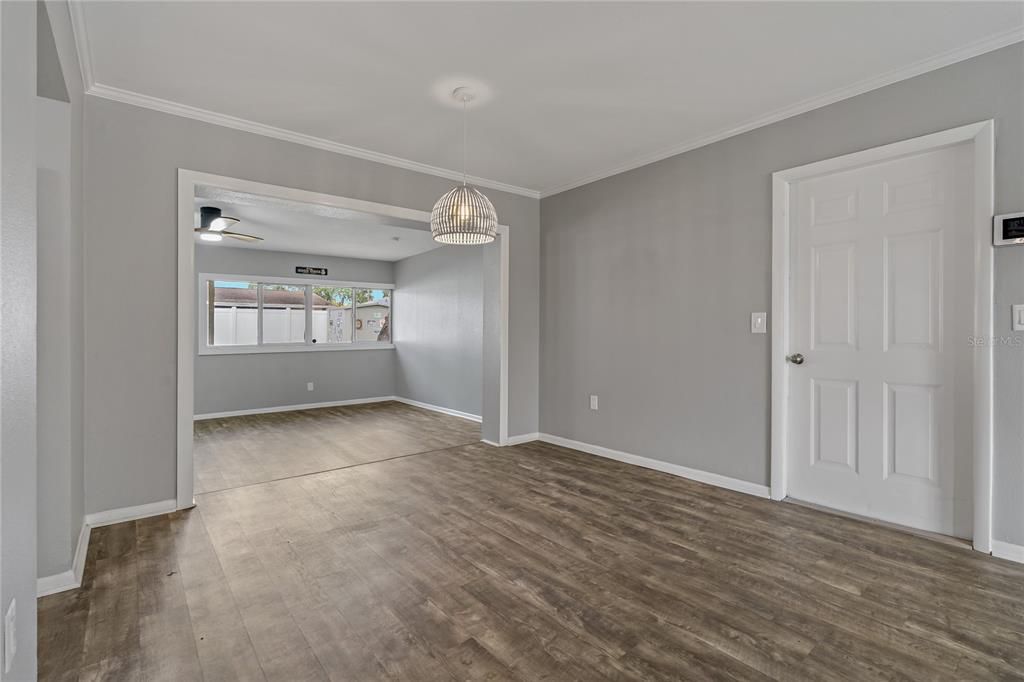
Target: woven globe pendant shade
464,216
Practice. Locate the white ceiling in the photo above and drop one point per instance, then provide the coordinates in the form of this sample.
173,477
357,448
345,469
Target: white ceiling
319,230
578,90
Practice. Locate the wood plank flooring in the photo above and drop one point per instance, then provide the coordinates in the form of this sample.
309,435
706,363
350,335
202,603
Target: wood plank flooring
235,451
532,562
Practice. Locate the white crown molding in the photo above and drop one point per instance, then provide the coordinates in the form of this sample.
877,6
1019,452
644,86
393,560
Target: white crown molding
91,87
81,43
975,49
177,109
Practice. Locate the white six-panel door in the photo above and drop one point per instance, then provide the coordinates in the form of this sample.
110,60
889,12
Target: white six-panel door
881,310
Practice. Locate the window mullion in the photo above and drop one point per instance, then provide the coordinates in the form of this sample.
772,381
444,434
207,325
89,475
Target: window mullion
259,313
309,314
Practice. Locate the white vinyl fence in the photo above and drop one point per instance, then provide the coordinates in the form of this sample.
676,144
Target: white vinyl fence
237,326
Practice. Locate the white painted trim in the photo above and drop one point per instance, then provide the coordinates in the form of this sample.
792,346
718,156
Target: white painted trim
438,408
81,551
292,348
1008,550
975,49
982,136
71,578
207,116
522,438
75,7
298,281
187,182
52,584
142,511
503,303
489,442
718,480
293,408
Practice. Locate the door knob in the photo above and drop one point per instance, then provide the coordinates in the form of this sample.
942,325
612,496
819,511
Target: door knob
795,358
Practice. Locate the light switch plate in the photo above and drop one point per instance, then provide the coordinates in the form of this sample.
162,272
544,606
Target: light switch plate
1018,317
758,323
593,402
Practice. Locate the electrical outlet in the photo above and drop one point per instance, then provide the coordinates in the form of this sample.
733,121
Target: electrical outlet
593,402
309,386
10,641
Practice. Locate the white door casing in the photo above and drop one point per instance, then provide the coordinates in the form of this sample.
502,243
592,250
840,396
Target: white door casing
882,278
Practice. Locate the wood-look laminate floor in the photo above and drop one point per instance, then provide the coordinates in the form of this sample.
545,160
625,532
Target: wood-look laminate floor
531,562
236,451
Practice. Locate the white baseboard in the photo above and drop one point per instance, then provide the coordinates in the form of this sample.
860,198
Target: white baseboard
71,578
52,584
523,438
490,442
693,474
438,408
142,511
293,408
1008,550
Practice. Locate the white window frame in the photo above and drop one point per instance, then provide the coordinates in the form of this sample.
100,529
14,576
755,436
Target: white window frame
308,346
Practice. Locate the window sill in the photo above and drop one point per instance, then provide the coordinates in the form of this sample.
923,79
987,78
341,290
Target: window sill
317,348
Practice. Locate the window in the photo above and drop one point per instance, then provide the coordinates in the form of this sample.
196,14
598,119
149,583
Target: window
373,315
332,314
284,313
264,314
232,314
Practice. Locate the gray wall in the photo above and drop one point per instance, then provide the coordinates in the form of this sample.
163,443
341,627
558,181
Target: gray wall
685,243
132,158
49,74
18,327
225,383
439,321
60,341
55,437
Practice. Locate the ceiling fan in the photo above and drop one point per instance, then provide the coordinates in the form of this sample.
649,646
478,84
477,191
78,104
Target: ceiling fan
213,226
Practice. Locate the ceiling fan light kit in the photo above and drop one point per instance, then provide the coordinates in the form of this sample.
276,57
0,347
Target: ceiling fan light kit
213,226
464,216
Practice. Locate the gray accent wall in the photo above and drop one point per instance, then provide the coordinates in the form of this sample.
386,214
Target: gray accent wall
439,320
226,383
131,160
648,279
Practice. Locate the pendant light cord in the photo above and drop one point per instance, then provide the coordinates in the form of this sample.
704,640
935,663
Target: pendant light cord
465,125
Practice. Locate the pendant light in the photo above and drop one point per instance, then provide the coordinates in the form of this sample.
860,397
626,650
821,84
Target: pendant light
464,216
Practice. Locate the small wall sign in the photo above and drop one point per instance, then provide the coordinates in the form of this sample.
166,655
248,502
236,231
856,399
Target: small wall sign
307,270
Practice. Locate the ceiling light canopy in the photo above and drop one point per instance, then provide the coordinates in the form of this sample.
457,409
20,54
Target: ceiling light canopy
464,216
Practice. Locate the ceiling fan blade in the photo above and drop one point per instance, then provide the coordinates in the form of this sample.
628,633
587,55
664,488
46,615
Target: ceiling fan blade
243,237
